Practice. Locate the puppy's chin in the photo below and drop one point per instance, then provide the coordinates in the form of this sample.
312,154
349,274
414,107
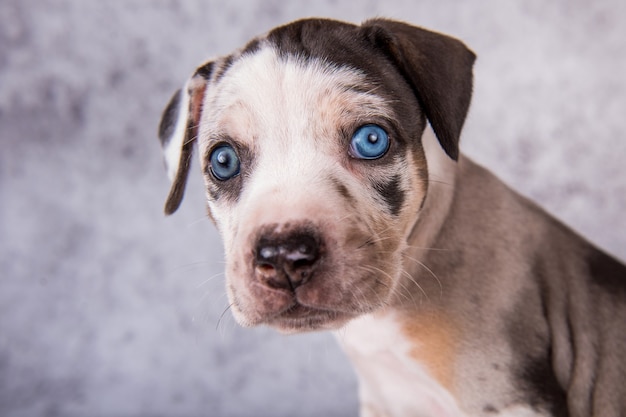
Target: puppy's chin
304,319
298,319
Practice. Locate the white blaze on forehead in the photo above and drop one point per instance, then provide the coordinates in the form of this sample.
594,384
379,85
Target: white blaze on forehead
295,116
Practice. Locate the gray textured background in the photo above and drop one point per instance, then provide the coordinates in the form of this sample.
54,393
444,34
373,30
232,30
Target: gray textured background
109,309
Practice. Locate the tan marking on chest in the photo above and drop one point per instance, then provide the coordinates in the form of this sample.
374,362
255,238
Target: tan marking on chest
434,340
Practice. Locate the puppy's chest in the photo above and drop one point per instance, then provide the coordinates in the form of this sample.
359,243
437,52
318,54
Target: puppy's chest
414,366
398,374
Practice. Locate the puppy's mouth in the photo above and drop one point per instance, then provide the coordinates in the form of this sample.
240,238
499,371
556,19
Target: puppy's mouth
312,306
300,318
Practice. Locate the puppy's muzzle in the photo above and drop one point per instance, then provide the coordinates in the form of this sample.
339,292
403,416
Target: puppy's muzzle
287,259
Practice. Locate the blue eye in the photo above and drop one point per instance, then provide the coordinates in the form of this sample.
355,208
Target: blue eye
224,162
369,142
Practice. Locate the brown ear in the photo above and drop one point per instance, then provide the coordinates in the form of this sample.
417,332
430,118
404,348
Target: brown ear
178,132
438,68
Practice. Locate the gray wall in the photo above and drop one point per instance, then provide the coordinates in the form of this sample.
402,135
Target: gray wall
107,308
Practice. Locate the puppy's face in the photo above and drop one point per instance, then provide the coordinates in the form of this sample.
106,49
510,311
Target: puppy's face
315,175
313,212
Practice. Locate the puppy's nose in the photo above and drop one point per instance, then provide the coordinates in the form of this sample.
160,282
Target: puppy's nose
286,260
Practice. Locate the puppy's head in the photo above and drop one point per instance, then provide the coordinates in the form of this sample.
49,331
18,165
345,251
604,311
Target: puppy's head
310,146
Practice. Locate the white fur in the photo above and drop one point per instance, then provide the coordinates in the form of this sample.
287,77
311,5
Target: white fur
391,382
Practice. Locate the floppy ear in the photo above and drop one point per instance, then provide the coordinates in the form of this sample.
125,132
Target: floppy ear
438,68
178,131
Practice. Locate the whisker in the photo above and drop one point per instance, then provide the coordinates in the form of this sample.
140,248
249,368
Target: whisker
405,288
363,297
379,238
411,277
196,221
414,281
440,182
427,248
429,270
211,278
222,316
187,267
406,292
340,219
364,305
371,268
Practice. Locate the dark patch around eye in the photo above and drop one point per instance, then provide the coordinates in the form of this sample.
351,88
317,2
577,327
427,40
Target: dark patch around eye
229,190
392,193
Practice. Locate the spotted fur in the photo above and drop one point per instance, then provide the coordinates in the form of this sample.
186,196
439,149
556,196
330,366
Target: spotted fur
453,295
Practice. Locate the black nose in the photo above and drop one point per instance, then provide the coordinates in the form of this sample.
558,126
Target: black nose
287,260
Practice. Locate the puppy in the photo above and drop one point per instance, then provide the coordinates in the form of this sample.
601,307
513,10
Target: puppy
332,169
